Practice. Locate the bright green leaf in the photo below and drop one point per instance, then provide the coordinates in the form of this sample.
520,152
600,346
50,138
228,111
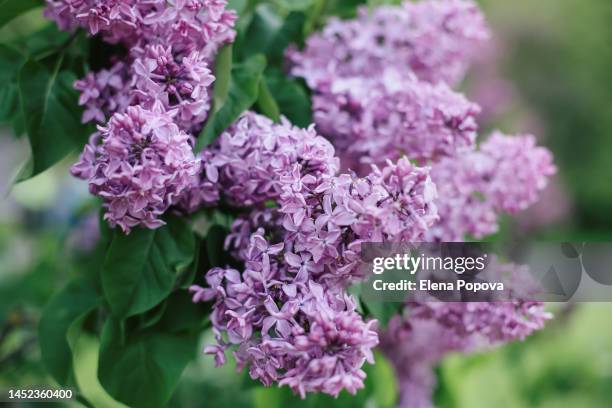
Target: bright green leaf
141,268
14,8
243,92
223,75
381,311
75,301
381,382
85,352
142,369
266,103
296,4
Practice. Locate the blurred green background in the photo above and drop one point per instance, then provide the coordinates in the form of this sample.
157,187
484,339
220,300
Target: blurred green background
552,62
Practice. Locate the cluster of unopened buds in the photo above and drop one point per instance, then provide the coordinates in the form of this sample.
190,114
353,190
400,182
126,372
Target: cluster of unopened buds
392,156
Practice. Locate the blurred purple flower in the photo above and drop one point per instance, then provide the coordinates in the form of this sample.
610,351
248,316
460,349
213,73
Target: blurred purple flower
434,39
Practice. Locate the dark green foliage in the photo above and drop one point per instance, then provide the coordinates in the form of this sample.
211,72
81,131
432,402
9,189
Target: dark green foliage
141,269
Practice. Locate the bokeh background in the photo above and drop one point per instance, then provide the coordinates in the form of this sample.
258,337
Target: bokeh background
547,72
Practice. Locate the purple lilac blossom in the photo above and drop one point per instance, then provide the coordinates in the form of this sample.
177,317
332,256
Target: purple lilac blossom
104,92
172,45
434,39
418,338
287,330
179,82
287,312
505,175
139,164
370,120
328,219
165,76
247,161
290,324
188,24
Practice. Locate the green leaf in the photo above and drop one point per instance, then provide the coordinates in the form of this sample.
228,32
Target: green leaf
270,34
181,314
291,97
291,32
45,42
141,268
266,103
382,311
264,25
11,62
237,5
296,4
223,75
142,369
85,353
381,382
52,118
9,103
243,92
74,302
14,8
214,245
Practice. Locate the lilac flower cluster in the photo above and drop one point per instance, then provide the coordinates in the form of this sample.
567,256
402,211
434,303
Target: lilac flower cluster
297,334
139,164
425,332
104,93
287,311
164,78
434,39
392,116
180,82
382,96
171,47
504,175
382,90
381,81
246,163
195,24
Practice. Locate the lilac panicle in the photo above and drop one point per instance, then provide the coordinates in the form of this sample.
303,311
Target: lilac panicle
154,98
434,39
179,82
188,24
247,161
370,120
287,330
287,312
104,92
425,332
172,45
139,164
504,176
382,81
